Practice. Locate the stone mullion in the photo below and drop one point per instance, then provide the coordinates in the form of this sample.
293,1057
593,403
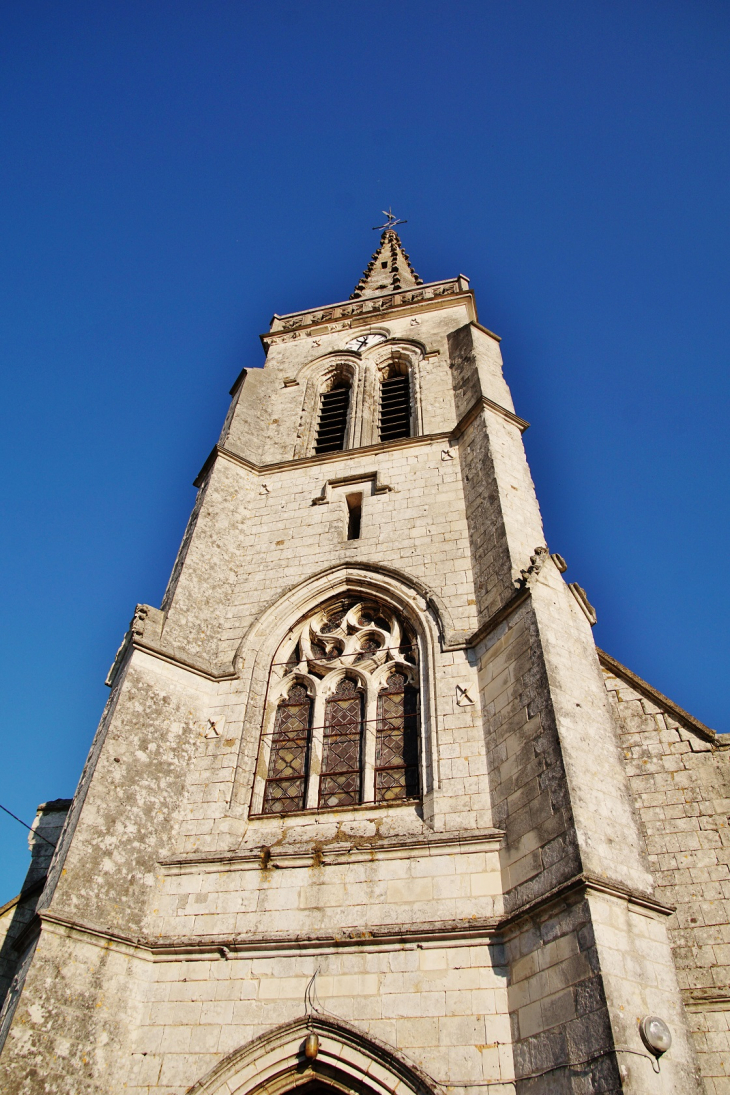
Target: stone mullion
368,746
316,749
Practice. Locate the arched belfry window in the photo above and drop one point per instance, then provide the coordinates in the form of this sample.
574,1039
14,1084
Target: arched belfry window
345,728
334,405
395,404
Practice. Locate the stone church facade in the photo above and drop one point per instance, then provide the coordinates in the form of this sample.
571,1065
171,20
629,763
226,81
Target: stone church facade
367,811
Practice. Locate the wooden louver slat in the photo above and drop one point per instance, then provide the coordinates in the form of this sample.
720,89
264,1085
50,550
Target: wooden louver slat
332,424
395,408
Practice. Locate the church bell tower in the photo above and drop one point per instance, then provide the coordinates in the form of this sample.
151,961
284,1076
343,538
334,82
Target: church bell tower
355,818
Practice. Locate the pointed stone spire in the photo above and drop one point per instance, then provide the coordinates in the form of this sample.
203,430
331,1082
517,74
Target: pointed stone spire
388,271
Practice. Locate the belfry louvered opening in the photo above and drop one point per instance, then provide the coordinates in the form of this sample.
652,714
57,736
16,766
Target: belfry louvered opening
332,425
395,408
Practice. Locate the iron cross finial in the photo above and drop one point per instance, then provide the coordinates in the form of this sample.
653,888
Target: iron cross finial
390,223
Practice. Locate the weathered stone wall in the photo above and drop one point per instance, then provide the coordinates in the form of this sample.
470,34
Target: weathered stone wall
443,1006
418,527
76,1018
558,789
560,1018
127,820
359,871
257,533
502,515
680,778
525,765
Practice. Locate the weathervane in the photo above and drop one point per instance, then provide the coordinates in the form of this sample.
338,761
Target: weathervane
391,222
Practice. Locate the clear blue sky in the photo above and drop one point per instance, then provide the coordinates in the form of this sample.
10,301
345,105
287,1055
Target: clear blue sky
173,173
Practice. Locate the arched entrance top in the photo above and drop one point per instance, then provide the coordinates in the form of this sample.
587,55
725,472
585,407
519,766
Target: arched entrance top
347,1061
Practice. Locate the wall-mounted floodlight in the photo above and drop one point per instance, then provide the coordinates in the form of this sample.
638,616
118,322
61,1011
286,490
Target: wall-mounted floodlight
655,1034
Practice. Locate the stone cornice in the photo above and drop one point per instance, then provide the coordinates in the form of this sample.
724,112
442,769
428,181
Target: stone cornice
200,669
494,621
355,313
94,934
341,852
373,477
704,999
579,885
138,637
434,932
486,331
656,697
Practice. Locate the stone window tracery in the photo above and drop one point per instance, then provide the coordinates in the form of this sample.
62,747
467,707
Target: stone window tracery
342,725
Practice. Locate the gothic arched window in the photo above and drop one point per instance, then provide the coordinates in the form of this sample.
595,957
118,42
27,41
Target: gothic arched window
346,731
395,405
332,425
289,756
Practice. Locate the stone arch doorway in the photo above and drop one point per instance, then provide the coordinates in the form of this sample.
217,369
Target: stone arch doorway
318,1084
348,1063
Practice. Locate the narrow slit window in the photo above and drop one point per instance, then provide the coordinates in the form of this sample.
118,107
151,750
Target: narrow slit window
339,784
289,757
332,426
395,408
354,516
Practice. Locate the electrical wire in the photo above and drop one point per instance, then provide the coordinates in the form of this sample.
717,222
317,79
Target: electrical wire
28,827
354,654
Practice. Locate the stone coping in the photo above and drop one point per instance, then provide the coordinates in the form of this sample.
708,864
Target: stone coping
655,696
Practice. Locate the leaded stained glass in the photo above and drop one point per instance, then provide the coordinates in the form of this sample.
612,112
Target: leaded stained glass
368,646
330,764
396,742
286,781
335,618
339,783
